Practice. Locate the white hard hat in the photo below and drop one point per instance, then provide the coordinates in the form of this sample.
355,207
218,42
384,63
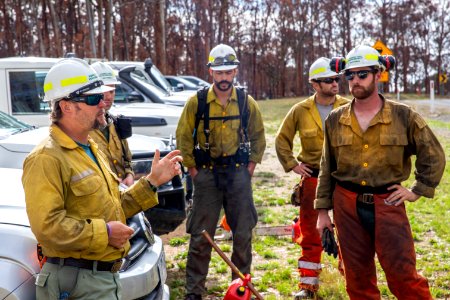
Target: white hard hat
363,56
321,69
222,57
72,77
105,73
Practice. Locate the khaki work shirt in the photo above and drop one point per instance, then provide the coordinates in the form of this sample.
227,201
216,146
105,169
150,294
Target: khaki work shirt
303,118
224,137
70,198
117,150
381,155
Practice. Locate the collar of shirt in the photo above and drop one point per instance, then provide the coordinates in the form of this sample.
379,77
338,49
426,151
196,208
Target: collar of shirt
212,97
384,116
64,140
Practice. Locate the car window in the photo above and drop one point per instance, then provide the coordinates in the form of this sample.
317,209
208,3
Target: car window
160,78
123,91
155,89
27,93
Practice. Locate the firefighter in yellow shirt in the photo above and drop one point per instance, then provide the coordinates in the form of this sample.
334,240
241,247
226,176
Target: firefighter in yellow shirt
74,205
366,156
112,139
307,118
221,138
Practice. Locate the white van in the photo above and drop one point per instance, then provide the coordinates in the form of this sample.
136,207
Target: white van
21,95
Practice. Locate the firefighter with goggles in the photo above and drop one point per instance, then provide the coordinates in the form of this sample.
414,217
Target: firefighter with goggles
112,138
307,118
366,158
74,205
221,138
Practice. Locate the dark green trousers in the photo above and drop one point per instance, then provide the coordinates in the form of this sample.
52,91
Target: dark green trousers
232,190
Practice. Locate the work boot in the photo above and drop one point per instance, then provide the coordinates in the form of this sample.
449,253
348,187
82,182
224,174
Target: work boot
193,297
304,294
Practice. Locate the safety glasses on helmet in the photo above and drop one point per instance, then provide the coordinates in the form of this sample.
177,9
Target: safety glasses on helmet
349,75
91,100
229,59
328,80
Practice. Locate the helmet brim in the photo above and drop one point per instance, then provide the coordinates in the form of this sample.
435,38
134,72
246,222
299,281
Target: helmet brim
100,90
223,67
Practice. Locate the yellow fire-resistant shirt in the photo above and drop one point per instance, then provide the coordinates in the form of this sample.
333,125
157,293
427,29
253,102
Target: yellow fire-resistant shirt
70,199
382,154
224,136
117,150
303,118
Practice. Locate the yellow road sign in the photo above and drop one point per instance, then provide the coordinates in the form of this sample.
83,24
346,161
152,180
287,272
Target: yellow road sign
381,48
443,78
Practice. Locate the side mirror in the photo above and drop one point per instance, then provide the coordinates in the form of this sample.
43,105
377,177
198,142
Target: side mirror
134,97
180,87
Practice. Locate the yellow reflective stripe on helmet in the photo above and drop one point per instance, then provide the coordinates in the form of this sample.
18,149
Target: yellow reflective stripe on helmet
74,80
318,71
371,57
211,58
48,87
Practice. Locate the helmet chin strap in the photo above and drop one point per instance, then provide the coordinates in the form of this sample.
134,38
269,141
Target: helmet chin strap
219,87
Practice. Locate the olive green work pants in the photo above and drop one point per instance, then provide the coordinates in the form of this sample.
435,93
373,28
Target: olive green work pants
235,196
55,282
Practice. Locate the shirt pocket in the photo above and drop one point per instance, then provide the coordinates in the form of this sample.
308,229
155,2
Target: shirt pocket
90,195
393,146
342,143
310,140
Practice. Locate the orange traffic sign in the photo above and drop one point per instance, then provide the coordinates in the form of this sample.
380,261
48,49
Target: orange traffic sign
443,78
382,48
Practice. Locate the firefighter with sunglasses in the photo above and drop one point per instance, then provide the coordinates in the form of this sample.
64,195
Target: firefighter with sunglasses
307,119
74,205
221,138
366,158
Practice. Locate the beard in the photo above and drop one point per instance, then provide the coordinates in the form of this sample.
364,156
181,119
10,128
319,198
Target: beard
219,85
360,92
100,122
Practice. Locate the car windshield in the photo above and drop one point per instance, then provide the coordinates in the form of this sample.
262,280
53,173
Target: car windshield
158,91
160,78
10,125
186,82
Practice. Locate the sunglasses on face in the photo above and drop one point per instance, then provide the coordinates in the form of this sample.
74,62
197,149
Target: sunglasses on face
229,59
91,100
328,80
349,75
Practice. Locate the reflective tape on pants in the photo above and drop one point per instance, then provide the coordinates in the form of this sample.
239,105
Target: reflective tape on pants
309,265
309,280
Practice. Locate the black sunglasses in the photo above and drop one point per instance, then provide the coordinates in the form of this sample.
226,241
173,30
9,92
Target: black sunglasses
229,59
92,100
328,80
349,75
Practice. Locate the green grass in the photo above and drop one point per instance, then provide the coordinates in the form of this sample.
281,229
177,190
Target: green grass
274,268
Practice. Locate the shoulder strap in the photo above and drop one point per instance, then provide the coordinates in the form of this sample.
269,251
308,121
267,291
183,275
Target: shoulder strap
202,95
243,111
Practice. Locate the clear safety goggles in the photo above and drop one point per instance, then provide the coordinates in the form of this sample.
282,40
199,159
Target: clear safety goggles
229,59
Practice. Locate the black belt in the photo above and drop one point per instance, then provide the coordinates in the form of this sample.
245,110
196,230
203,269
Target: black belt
110,266
365,193
315,172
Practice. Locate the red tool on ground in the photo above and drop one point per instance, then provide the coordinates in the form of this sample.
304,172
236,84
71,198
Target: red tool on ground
240,288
